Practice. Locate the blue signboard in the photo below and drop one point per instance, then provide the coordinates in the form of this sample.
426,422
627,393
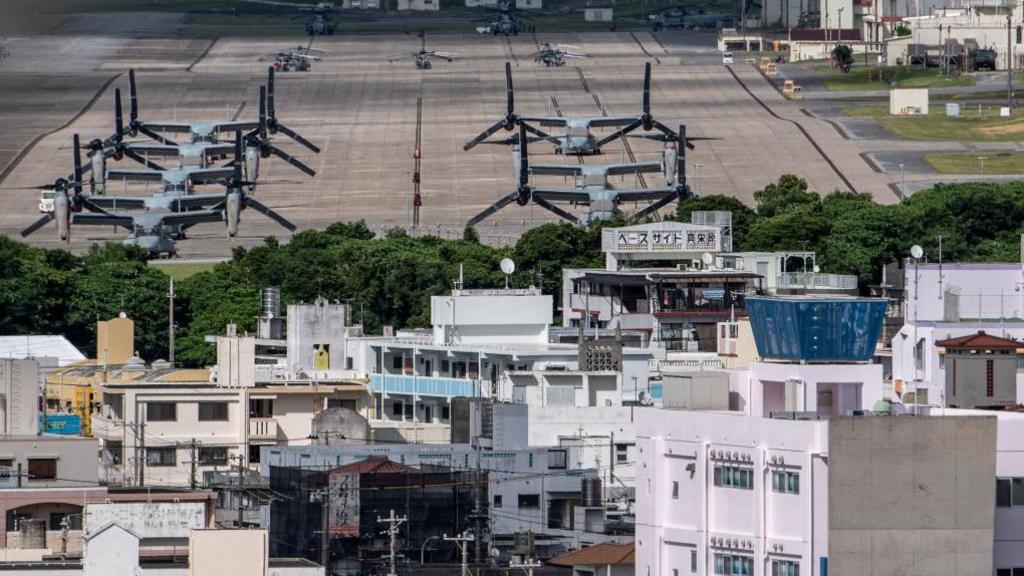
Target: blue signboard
63,424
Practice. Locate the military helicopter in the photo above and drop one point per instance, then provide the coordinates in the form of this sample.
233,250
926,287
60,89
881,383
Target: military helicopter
423,56
578,138
298,59
506,22
552,54
150,231
66,199
592,188
320,23
209,131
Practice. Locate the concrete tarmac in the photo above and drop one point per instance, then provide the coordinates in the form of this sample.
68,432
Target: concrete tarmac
361,110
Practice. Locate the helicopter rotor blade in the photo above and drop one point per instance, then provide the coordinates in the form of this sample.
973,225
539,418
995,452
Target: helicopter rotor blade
292,160
263,209
42,221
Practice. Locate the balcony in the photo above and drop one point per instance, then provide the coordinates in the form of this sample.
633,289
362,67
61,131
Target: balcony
262,429
424,385
817,281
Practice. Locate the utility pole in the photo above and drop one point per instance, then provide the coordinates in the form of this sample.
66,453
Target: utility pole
527,566
1009,57
461,541
241,508
392,532
192,464
170,328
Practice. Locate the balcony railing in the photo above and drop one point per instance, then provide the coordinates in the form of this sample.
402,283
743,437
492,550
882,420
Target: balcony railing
817,280
263,428
424,385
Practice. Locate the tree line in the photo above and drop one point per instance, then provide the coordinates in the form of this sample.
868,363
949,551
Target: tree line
389,280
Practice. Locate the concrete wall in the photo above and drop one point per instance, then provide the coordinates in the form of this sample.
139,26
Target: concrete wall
236,361
911,495
985,290
696,390
828,389
148,519
491,317
113,551
967,379
115,340
908,101
76,460
19,397
311,325
219,552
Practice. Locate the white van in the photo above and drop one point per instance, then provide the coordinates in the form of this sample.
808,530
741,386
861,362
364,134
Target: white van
726,57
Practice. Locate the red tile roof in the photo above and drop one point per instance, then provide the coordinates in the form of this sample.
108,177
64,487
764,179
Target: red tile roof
979,341
598,555
373,464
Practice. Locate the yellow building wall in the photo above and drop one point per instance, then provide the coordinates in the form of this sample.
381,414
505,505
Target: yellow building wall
115,340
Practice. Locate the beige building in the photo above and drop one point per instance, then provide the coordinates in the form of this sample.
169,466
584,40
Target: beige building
419,5
115,340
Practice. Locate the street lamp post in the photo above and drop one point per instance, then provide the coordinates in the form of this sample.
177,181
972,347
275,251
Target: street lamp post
903,180
982,160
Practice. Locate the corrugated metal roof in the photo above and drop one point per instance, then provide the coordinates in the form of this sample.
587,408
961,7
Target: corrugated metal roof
34,346
373,464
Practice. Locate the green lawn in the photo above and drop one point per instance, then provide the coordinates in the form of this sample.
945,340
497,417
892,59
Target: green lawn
871,78
182,270
970,126
971,163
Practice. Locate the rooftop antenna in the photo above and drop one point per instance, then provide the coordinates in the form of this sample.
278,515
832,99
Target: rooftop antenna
507,268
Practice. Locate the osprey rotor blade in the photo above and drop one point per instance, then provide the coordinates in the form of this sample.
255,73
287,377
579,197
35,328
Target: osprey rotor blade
620,132
486,212
298,137
485,134
263,209
42,221
555,210
291,160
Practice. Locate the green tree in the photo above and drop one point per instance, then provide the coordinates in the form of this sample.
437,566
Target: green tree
743,217
789,193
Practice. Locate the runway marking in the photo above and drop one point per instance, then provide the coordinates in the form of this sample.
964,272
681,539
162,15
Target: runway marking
799,127
643,48
203,55
28,148
658,41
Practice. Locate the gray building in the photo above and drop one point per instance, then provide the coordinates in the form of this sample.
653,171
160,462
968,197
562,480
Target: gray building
316,336
981,371
19,396
911,495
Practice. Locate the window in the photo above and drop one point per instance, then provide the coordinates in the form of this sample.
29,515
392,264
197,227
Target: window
732,564
6,463
558,459
785,568
529,500
409,411
1018,491
446,412
161,457
212,411
1018,571
213,455
261,408
1003,492
162,412
497,500
396,409
675,490
396,362
42,468
116,451
693,561
785,482
990,382
734,477
621,453
254,454
341,403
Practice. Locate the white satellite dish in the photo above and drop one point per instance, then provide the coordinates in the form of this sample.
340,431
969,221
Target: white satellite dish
707,259
817,268
508,266
916,251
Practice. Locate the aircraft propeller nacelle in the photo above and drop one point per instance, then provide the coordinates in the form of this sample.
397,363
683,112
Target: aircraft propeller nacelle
233,211
670,163
524,197
252,161
99,173
62,215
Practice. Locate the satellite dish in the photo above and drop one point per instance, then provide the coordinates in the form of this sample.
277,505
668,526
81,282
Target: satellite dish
817,268
707,259
508,266
916,251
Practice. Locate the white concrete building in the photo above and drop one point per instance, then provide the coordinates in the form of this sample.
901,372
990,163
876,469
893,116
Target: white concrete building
732,494
947,301
983,22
